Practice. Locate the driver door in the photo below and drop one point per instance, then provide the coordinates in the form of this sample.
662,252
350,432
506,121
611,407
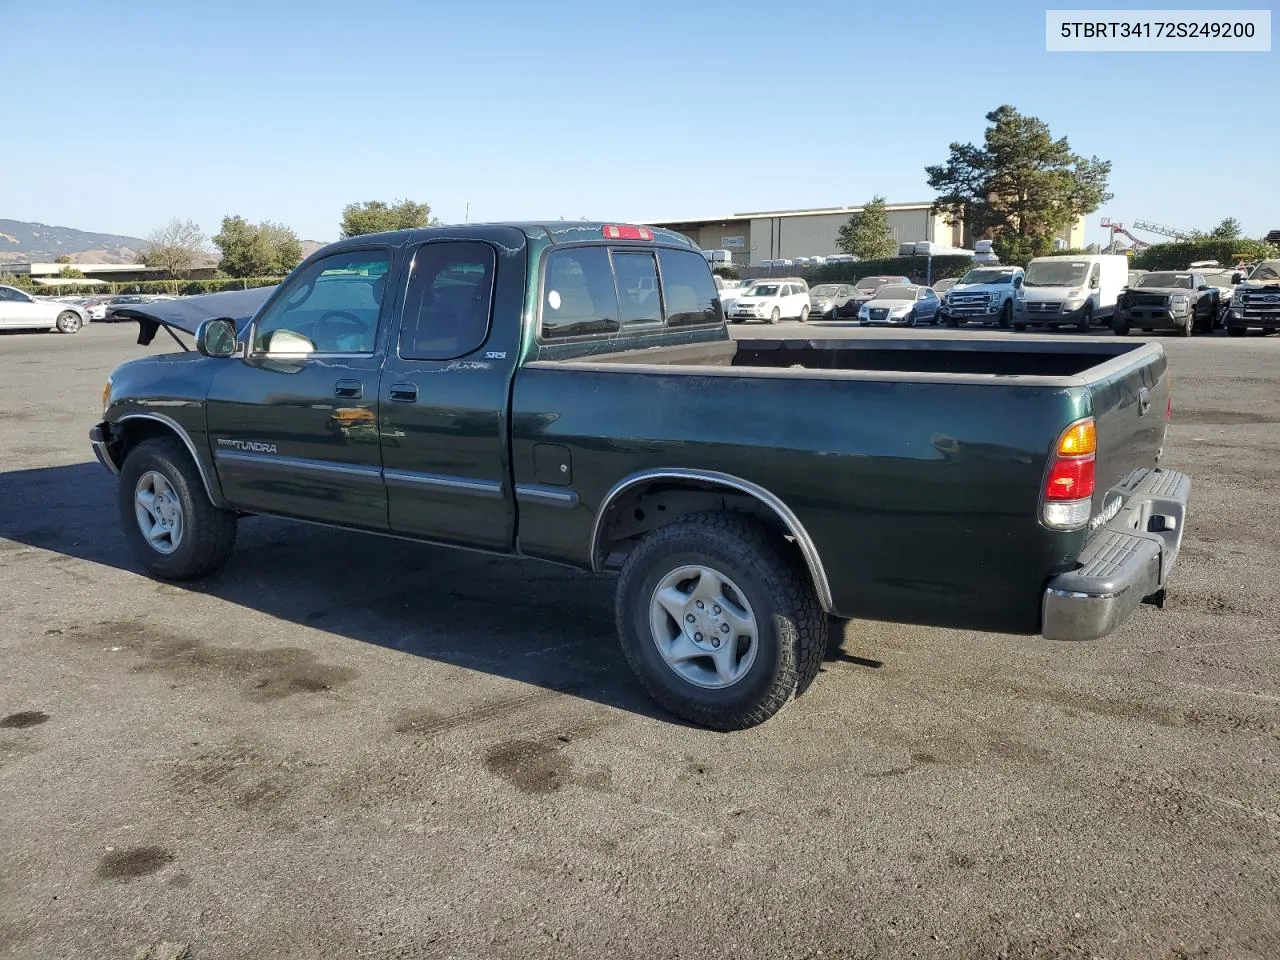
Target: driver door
293,425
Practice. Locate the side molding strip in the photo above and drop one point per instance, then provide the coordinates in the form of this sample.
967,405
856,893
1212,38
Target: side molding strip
545,495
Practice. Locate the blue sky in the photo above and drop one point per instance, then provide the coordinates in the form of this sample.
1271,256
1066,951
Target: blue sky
289,110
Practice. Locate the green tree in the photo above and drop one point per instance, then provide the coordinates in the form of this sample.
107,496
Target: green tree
377,216
263,250
71,273
175,248
62,259
1020,183
868,235
1228,229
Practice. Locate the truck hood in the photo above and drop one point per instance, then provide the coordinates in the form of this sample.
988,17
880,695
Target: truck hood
1245,285
1052,293
1161,291
979,288
187,313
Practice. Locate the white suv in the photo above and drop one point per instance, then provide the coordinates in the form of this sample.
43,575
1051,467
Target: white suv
771,301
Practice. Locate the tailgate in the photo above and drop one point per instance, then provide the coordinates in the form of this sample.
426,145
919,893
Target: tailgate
1130,401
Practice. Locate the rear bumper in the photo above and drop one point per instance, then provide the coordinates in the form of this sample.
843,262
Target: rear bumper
1126,562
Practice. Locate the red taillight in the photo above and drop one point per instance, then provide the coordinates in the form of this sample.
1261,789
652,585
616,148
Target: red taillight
1070,478
625,232
1068,488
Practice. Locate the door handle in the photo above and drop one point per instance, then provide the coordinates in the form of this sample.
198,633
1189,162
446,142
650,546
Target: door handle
1144,401
404,392
349,389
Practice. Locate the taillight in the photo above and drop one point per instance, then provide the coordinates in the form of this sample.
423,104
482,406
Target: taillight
1069,485
625,232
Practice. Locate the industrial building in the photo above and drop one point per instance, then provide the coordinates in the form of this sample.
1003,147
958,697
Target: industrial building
50,274
758,236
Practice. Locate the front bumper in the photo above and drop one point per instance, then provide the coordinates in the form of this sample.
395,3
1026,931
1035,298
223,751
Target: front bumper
1126,562
101,449
1049,317
1157,318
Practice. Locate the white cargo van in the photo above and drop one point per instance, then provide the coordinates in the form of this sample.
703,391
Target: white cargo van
1080,291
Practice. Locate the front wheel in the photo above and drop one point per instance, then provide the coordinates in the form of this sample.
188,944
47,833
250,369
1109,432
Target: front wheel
911,319
1019,327
804,314
1120,327
1086,318
1236,331
1006,315
718,620
773,317
68,322
1188,326
174,530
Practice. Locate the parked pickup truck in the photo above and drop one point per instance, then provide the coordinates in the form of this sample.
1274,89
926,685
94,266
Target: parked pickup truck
986,294
1256,300
1182,301
569,392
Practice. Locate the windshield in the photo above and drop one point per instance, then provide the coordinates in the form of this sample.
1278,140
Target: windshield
825,290
1056,273
1181,281
895,291
763,290
871,283
987,276
1267,270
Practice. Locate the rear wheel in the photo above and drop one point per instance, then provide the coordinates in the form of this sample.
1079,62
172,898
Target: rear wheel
718,621
68,322
174,530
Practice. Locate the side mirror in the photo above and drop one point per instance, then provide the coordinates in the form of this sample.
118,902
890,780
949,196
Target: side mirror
1204,288
1237,278
216,338
1017,282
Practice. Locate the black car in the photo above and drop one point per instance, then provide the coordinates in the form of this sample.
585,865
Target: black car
1183,302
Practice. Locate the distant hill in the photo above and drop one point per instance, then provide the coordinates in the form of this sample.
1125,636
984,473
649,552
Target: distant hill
21,241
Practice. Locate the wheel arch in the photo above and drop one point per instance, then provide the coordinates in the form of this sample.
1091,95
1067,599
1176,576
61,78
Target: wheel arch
135,428
690,487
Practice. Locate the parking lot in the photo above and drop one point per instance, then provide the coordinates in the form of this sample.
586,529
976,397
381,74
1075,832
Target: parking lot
350,746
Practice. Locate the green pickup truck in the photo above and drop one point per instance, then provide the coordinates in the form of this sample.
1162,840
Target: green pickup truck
569,392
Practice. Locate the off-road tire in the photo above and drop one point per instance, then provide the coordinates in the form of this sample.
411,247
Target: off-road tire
209,533
792,625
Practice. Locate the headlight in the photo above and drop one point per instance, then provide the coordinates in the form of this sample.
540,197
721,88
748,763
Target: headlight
1180,302
864,312
896,311
1075,303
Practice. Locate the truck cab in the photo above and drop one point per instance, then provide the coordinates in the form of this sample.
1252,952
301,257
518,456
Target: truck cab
987,294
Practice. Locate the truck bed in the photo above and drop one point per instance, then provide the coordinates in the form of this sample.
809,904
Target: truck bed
1038,359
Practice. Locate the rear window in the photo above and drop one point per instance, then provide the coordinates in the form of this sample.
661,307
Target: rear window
578,295
595,290
637,276
688,289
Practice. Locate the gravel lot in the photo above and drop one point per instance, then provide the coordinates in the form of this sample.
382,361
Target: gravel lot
346,746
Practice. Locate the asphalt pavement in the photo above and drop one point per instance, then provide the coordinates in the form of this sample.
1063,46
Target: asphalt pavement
345,746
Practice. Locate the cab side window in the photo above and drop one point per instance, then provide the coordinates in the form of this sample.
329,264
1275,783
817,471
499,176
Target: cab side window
578,295
330,307
688,289
448,300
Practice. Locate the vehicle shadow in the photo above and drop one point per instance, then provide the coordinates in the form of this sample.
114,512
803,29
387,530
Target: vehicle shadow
525,620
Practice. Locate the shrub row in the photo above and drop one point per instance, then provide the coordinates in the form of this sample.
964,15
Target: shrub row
918,269
172,287
1179,256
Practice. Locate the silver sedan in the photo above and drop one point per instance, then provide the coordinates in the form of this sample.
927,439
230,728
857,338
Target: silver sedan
20,311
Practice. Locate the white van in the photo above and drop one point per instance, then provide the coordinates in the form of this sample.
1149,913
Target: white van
1080,291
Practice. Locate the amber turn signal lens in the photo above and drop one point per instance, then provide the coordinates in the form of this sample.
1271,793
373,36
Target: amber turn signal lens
1079,440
